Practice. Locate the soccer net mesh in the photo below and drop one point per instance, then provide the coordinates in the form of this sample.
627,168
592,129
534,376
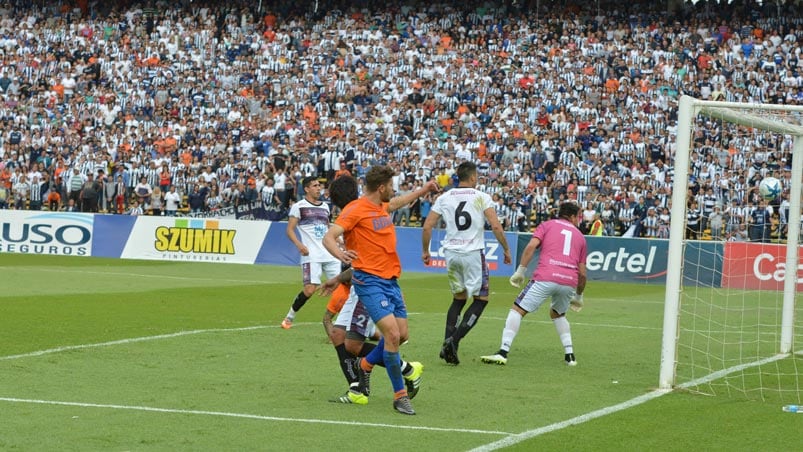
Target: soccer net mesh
733,310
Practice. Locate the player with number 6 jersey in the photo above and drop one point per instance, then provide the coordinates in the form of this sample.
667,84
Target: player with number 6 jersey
464,210
559,276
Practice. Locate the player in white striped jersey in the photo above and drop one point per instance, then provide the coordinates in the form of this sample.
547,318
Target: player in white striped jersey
465,210
311,217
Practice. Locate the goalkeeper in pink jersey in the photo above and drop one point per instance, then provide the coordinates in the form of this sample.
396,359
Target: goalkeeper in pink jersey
559,276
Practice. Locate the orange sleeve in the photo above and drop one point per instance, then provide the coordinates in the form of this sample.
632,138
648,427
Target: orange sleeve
338,298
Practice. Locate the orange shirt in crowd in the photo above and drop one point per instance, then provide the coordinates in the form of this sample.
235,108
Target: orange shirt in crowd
186,157
270,20
5,178
612,85
369,231
447,124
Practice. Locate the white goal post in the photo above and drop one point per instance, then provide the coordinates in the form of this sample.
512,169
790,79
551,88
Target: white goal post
753,116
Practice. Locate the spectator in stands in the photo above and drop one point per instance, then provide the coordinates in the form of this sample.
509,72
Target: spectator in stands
143,191
594,104
5,195
403,213
715,222
172,200
759,223
196,199
157,202
136,208
693,215
89,194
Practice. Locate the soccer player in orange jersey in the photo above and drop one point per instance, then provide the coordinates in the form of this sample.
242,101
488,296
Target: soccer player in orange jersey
370,248
349,332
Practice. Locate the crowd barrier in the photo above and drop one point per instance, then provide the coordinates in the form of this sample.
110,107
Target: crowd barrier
735,265
193,240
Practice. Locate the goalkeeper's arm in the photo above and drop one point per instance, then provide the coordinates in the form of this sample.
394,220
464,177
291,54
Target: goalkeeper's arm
519,276
576,303
581,279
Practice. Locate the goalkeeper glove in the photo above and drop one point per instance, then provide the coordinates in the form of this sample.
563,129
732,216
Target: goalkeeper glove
518,278
576,303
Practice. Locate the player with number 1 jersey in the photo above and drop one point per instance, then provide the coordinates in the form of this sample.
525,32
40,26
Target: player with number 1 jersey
560,276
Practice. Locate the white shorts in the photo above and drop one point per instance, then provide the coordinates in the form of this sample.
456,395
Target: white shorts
467,272
311,271
354,318
536,292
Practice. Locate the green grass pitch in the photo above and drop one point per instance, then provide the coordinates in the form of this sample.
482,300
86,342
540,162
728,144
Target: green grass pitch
99,354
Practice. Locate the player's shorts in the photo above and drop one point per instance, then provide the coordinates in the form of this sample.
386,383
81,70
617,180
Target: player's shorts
536,292
381,297
354,318
311,272
467,272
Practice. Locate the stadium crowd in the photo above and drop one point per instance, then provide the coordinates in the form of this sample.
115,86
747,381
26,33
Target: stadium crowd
190,106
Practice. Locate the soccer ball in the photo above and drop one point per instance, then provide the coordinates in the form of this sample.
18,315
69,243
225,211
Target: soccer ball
769,188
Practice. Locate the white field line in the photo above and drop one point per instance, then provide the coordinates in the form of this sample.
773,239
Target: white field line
140,339
529,434
250,416
524,436
142,275
510,440
133,340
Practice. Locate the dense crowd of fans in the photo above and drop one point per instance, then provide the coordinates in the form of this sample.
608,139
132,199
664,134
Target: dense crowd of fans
171,107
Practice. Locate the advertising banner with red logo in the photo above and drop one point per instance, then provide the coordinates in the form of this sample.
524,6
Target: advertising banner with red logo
755,266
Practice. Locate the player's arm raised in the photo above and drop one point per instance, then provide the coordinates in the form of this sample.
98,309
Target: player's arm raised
398,202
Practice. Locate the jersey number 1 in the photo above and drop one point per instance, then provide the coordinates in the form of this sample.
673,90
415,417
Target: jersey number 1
567,241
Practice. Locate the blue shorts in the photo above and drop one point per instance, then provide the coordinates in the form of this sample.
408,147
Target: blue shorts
381,297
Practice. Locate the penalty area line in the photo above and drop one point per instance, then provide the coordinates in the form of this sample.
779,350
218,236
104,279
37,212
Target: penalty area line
134,340
249,416
517,438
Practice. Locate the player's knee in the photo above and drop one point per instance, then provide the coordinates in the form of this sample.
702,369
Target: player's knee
354,347
337,335
554,314
393,337
309,289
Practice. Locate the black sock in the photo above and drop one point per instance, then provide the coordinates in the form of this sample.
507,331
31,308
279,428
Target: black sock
299,301
470,318
346,361
366,349
452,315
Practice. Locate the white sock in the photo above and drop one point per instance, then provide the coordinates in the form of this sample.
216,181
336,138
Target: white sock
291,314
564,333
512,325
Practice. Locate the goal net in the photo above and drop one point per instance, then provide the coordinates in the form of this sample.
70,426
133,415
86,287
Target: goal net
732,316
